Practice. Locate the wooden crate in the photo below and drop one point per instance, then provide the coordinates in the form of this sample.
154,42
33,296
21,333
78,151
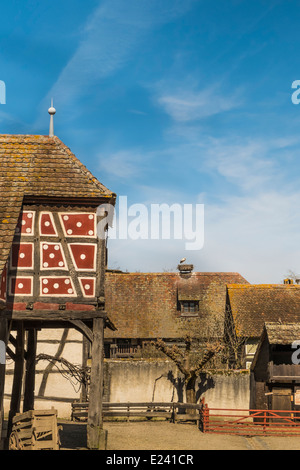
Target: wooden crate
35,430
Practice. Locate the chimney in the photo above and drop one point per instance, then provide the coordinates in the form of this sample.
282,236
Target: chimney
185,268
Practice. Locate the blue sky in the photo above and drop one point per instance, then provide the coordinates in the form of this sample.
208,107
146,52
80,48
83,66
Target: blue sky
171,101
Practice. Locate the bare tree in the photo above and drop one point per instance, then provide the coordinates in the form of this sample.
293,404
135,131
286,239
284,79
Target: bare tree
234,340
190,361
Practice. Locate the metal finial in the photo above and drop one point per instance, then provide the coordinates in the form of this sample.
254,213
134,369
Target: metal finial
51,111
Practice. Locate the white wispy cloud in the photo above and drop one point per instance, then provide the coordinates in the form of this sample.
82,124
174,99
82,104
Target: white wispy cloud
123,164
108,40
184,104
252,227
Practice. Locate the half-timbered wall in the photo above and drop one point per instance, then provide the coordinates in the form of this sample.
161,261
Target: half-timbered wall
55,258
53,385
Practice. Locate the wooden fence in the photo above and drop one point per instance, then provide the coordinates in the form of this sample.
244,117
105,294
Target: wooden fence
250,422
242,422
170,411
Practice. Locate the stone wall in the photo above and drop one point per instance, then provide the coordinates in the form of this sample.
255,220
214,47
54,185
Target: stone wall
146,380
124,380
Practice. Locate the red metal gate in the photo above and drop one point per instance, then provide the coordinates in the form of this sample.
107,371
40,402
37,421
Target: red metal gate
250,422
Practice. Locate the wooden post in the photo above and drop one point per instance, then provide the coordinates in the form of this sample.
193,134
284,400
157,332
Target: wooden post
18,377
3,338
96,436
28,403
85,349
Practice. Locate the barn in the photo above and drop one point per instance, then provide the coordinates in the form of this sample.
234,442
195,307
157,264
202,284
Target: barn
275,372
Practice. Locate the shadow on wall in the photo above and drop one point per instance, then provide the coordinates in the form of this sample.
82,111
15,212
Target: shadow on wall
205,383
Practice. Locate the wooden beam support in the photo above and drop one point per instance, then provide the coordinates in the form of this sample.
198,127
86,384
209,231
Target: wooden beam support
18,377
46,315
28,403
85,353
83,328
96,436
3,338
10,353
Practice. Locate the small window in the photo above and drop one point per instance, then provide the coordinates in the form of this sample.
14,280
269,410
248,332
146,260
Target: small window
189,307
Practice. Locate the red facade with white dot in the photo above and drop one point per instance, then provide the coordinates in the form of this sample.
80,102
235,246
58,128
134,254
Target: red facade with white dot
53,255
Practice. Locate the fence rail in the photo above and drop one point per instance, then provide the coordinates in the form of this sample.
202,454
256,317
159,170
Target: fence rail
242,422
250,422
171,411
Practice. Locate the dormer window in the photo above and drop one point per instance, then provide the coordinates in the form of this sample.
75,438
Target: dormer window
189,307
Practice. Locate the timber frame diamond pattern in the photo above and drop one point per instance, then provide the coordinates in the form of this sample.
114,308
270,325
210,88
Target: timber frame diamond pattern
52,264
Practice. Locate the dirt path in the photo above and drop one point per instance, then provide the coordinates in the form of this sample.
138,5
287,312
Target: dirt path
168,436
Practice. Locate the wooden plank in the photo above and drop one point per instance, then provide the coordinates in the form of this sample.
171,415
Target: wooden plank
85,354
18,377
3,337
37,430
85,330
50,315
95,434
28,403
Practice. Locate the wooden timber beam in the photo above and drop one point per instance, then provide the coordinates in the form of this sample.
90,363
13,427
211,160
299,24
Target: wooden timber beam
13,341
96,436
46,315
10,353
4,332
83,328
18,377
28,403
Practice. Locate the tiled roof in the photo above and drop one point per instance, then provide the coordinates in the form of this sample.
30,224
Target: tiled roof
283,333
145,305
255,304
39,166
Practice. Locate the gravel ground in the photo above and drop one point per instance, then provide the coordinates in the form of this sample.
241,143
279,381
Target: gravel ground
168,436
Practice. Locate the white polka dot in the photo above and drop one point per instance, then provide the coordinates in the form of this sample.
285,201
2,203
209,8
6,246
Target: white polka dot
23,222
28,230
45,265
69,232
66,217
45,281
47,224
20,285
91,232
29,216
45,290
56,286
83,256
52,255
60,263
67,281
91,216
56,247
79,224
70,291
87,286
45,247
22,255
